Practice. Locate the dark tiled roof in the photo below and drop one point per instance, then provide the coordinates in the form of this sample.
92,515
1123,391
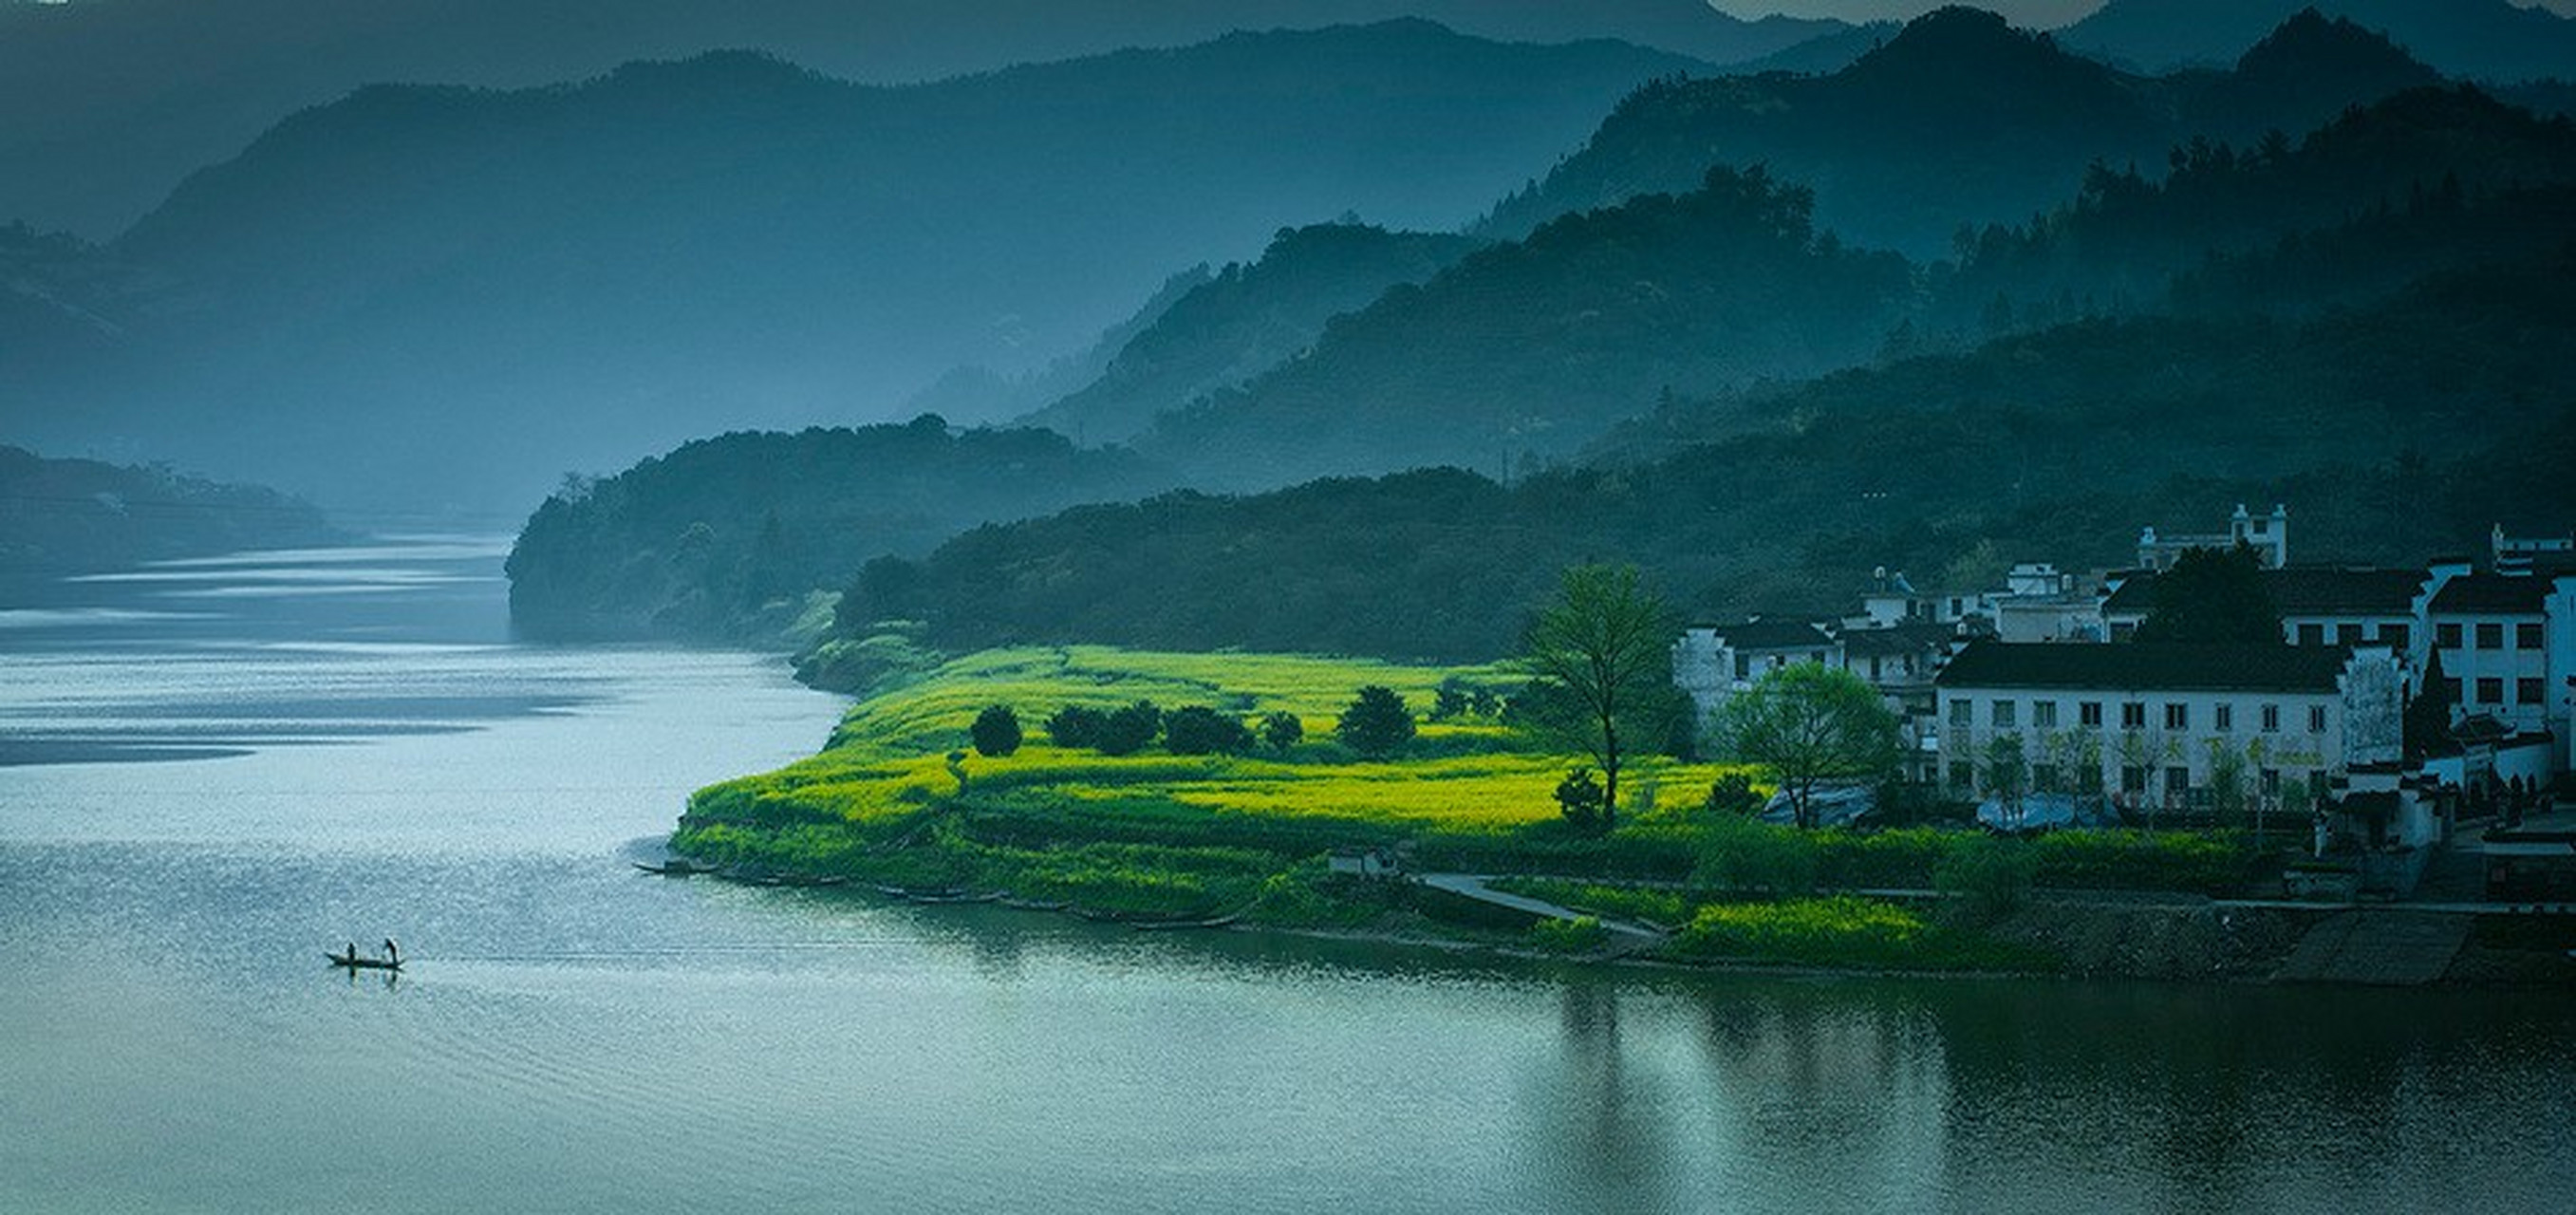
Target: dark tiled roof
2494,595
2131,666
1771,635
2303,590
1909,637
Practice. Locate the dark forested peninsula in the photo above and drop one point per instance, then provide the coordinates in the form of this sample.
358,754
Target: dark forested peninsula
60,516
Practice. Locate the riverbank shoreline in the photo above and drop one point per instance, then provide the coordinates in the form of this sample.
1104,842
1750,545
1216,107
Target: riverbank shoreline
2103,936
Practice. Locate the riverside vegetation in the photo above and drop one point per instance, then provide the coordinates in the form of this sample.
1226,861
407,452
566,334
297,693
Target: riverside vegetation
901,798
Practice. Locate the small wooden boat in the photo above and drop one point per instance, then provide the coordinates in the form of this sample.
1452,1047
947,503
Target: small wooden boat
675,867
351,961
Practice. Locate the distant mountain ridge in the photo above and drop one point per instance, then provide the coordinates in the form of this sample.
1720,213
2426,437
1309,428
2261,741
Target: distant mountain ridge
449,295
2487,40
1958,119
105,104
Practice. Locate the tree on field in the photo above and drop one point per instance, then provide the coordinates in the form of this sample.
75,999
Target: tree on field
1602,653
996,731
1376,723
1076,726
1807,724
1129,730
1282,730
1200,730
2212,595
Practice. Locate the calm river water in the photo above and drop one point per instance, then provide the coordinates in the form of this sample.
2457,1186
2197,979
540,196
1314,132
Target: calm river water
211,772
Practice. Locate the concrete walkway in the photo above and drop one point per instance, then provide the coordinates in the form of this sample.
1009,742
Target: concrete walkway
1625,937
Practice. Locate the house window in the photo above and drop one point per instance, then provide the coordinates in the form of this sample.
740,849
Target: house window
2133,778
2526,691
2448,635
2089,713
1963,712
2316,719
2271,719
2456,689
2347,634
2043,777
2395,636
2490,636
2312,634
2043,714
2177,717
2005,712
2490,690
1962,774
2133,717
2269,782
1873,668
2177,781
2223,718
2526,636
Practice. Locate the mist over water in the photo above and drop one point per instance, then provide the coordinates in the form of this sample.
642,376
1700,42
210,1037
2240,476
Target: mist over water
334,764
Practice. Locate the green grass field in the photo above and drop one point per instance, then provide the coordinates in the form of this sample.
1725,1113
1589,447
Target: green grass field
1155,835
1154,832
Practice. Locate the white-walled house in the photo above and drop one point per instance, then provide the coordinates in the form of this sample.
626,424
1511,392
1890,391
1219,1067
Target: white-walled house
2164,726
1714,661
2508,644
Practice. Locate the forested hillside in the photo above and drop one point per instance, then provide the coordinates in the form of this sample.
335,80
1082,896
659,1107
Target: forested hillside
725,536
1246,319
2396,430
1537,345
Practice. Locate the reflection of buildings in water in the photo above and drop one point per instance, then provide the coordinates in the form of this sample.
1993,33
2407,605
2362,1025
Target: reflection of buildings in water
1605,1117
1840,1086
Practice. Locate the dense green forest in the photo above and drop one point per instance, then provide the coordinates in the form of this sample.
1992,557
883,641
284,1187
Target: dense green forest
726,535
1536,345
1958,119
1245,320
63,515
2395,430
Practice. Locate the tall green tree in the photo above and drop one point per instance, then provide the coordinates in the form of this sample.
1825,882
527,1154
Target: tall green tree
1808,724
2213,595
1376,723
1604,650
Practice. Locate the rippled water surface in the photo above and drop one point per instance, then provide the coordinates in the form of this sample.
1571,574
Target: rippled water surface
211,772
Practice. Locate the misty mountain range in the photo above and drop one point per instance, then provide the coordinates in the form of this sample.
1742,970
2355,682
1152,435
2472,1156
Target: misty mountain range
105,104
444,297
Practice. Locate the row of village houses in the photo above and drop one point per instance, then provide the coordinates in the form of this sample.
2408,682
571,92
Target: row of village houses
2042,670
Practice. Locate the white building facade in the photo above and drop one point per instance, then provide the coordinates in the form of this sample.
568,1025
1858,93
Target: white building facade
2164,727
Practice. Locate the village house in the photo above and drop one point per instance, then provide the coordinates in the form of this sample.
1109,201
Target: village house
2268,536
1712,662
2154,727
